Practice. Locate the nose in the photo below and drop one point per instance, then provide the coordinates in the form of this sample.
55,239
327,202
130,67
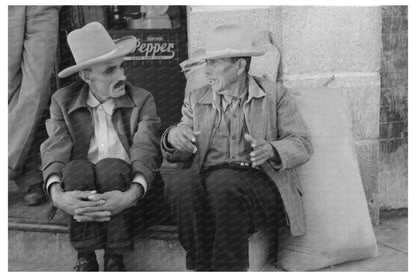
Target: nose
120,74
208,69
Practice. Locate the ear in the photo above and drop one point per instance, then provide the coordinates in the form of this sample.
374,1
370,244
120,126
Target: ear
241,66
85,76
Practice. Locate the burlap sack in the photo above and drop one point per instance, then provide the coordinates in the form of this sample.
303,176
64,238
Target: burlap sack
338,224
266,65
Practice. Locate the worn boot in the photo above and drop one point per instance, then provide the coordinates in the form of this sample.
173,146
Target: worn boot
86,262
113,262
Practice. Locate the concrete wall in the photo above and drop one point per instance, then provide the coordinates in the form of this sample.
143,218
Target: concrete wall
336,46
393,180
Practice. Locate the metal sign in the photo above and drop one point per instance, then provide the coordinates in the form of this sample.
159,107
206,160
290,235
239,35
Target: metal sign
154,47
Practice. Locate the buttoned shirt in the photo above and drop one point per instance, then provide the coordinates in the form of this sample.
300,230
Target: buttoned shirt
228,143
104,142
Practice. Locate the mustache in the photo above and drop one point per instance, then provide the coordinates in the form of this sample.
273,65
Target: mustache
119,84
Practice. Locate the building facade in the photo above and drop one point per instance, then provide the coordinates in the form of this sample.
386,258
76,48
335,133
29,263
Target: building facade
360,50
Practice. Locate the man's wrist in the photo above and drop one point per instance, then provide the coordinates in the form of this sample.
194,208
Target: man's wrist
166,143
275,160
137,190
273,153
55,190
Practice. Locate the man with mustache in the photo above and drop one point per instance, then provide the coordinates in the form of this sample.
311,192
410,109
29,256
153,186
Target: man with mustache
241,138
103,148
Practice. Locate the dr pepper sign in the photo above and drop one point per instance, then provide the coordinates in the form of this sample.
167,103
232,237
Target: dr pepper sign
154,47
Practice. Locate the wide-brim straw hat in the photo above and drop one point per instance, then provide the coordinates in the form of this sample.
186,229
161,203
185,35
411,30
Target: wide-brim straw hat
194,59
226,41
92,45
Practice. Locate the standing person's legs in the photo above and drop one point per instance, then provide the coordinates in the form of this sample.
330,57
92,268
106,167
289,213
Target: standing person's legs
28,100
241,201
16,34
186,197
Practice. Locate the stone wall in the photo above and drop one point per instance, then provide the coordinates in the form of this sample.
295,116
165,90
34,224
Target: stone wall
393,179
336,46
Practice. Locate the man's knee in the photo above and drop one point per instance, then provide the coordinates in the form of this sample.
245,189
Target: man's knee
78,175
113,174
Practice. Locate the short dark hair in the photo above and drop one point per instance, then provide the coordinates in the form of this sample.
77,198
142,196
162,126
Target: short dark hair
247,59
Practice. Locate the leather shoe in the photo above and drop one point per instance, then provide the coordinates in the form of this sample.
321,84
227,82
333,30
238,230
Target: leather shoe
114,263
35,195
86,264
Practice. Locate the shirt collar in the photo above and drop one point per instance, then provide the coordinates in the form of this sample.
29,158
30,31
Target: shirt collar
220,100
81,90
254,91
108,105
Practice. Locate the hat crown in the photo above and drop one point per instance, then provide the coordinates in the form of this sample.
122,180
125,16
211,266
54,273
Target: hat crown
229,38
89,42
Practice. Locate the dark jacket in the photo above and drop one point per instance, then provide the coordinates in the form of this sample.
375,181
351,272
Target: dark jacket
70,128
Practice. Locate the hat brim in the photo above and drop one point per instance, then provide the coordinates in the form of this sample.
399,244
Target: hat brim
124,46
221,55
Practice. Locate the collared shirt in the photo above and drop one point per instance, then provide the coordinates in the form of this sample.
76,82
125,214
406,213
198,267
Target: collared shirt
228,143
104,142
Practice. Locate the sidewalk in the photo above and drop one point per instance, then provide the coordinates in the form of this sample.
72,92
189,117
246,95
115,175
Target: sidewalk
392,240
391,234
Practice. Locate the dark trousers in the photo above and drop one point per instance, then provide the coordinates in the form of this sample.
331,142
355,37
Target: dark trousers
216,212
108,174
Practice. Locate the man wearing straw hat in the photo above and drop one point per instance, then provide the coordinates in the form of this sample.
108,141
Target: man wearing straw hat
241,138
103,148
